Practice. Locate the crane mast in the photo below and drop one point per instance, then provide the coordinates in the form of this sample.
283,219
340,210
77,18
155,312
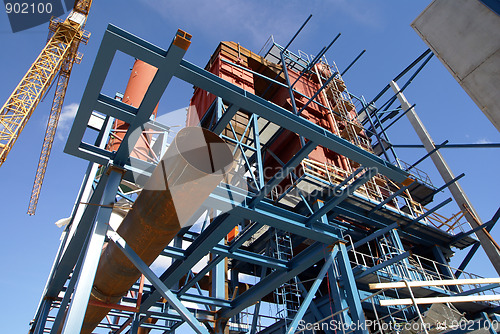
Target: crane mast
57,57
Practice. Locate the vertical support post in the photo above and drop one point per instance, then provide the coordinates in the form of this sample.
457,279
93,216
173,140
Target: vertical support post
85,281
444,269
67,295
258,152
312,292
488,324
456,190
135,324
350,288
344,290
256,311
416,307
290,91
399,245
219,279
40,325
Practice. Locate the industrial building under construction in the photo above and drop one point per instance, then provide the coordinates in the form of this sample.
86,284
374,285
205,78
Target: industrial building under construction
281,207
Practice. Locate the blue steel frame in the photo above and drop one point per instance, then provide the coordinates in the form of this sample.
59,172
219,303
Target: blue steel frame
317,224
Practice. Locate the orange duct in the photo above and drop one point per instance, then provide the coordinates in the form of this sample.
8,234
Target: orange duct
194,164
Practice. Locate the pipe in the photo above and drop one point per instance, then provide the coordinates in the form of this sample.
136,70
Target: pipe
194,164
140,78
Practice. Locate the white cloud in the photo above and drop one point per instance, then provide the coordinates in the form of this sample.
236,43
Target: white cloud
482,141
66,120
233,18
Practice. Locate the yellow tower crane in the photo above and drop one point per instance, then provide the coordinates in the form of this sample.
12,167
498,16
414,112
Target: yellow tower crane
55,61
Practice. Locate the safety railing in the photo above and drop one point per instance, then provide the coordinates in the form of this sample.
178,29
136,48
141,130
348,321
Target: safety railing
418,268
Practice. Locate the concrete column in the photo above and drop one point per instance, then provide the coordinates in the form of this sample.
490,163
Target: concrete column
456,190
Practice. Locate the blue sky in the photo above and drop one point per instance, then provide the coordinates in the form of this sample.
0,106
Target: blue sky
28,244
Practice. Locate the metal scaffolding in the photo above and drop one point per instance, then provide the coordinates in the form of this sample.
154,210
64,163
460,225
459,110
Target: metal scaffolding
301,255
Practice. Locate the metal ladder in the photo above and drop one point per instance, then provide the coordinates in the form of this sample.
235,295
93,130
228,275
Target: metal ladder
288,295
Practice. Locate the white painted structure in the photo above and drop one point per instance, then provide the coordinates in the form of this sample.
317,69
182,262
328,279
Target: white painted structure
465,36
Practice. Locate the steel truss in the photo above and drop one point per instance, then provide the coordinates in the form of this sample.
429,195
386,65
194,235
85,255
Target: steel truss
320,220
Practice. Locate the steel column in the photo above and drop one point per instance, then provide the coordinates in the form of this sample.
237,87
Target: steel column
456,190
158,284
83,287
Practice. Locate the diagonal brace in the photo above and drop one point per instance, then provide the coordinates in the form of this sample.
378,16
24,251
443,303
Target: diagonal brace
344,193
157,283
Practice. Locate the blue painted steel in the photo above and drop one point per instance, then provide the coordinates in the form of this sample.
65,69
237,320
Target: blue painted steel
390,198
344,193
469,256
298,31
382,265
478,290
283,172
172,299
316,59
200,299
494,5
250,102
219,278
373,236
258,153
313,308
45,309
211,236
75,244
298,264
352,63
61,313
317,92
436,147
223,121
443,186
304,306
430,211
348,284
76,312
491,223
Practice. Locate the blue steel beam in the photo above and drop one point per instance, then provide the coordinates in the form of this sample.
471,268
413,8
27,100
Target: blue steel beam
114,40
344,193
172,299
427,213
390,198
278,115
379,222
317,92
372,236
298,264
271,215
83,288
210,237
314,309
352,63
225,118
237,254
443,186
491,223
284,171
478,290
382,265
348,284
304,306
437,147
75,244
470,254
